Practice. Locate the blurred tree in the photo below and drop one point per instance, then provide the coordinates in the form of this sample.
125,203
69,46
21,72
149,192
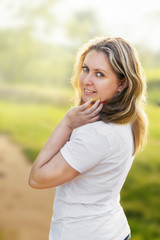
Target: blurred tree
26,59
32,13
82,26
148,57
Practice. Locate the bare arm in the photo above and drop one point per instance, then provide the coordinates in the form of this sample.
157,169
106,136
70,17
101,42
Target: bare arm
50,168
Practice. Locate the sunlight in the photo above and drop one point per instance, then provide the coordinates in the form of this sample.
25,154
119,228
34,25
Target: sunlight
137,21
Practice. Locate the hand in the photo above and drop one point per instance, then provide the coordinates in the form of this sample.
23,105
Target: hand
81,115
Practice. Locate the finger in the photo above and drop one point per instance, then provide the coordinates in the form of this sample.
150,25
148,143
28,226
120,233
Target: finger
94,119
99,108
84,106
93,107
96,112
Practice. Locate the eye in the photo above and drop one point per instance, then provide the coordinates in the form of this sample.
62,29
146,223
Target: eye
85,69
99,74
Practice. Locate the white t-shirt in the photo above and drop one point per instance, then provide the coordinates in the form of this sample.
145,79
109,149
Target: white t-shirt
88,207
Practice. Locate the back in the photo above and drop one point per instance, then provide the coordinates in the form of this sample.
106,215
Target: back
88,207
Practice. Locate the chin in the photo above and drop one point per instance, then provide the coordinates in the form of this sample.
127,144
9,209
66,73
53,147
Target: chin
86,98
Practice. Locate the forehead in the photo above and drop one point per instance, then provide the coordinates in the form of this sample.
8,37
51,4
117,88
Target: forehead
96,59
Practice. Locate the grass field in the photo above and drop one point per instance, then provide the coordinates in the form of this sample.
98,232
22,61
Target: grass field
31,122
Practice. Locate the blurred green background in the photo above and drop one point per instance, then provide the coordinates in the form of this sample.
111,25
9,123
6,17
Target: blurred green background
38,45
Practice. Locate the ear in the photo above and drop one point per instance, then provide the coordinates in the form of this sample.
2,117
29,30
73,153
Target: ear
122,85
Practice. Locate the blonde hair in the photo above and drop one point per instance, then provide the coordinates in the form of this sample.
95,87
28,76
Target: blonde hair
128,105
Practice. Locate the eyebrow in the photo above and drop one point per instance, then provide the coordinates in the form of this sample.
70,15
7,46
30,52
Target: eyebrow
97,69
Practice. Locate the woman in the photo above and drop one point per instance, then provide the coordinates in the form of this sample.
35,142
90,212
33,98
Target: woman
90,164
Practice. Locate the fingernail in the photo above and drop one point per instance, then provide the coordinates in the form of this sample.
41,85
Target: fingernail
98,99
91,99
102,103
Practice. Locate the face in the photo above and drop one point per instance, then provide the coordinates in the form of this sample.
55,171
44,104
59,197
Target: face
97,78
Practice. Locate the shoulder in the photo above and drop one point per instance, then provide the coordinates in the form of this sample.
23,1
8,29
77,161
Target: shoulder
93,132
97,128
93,136
100,131
86,147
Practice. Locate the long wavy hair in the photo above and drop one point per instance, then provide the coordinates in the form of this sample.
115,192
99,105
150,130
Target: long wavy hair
128,105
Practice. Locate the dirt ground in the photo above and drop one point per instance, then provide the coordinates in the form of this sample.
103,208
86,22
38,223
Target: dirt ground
25,213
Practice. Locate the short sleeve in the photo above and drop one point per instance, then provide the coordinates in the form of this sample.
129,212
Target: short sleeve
85,149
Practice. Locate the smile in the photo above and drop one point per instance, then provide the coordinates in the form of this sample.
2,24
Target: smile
87,91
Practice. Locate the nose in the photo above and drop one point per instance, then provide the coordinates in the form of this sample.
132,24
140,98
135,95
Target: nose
88,80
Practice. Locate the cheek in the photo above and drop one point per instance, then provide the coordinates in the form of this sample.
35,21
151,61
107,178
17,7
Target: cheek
114,89
81,77
108,91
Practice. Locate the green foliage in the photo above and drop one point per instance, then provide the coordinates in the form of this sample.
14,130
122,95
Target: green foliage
154,96
37,94
153,74
153,86
149,59
24,60
82,26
